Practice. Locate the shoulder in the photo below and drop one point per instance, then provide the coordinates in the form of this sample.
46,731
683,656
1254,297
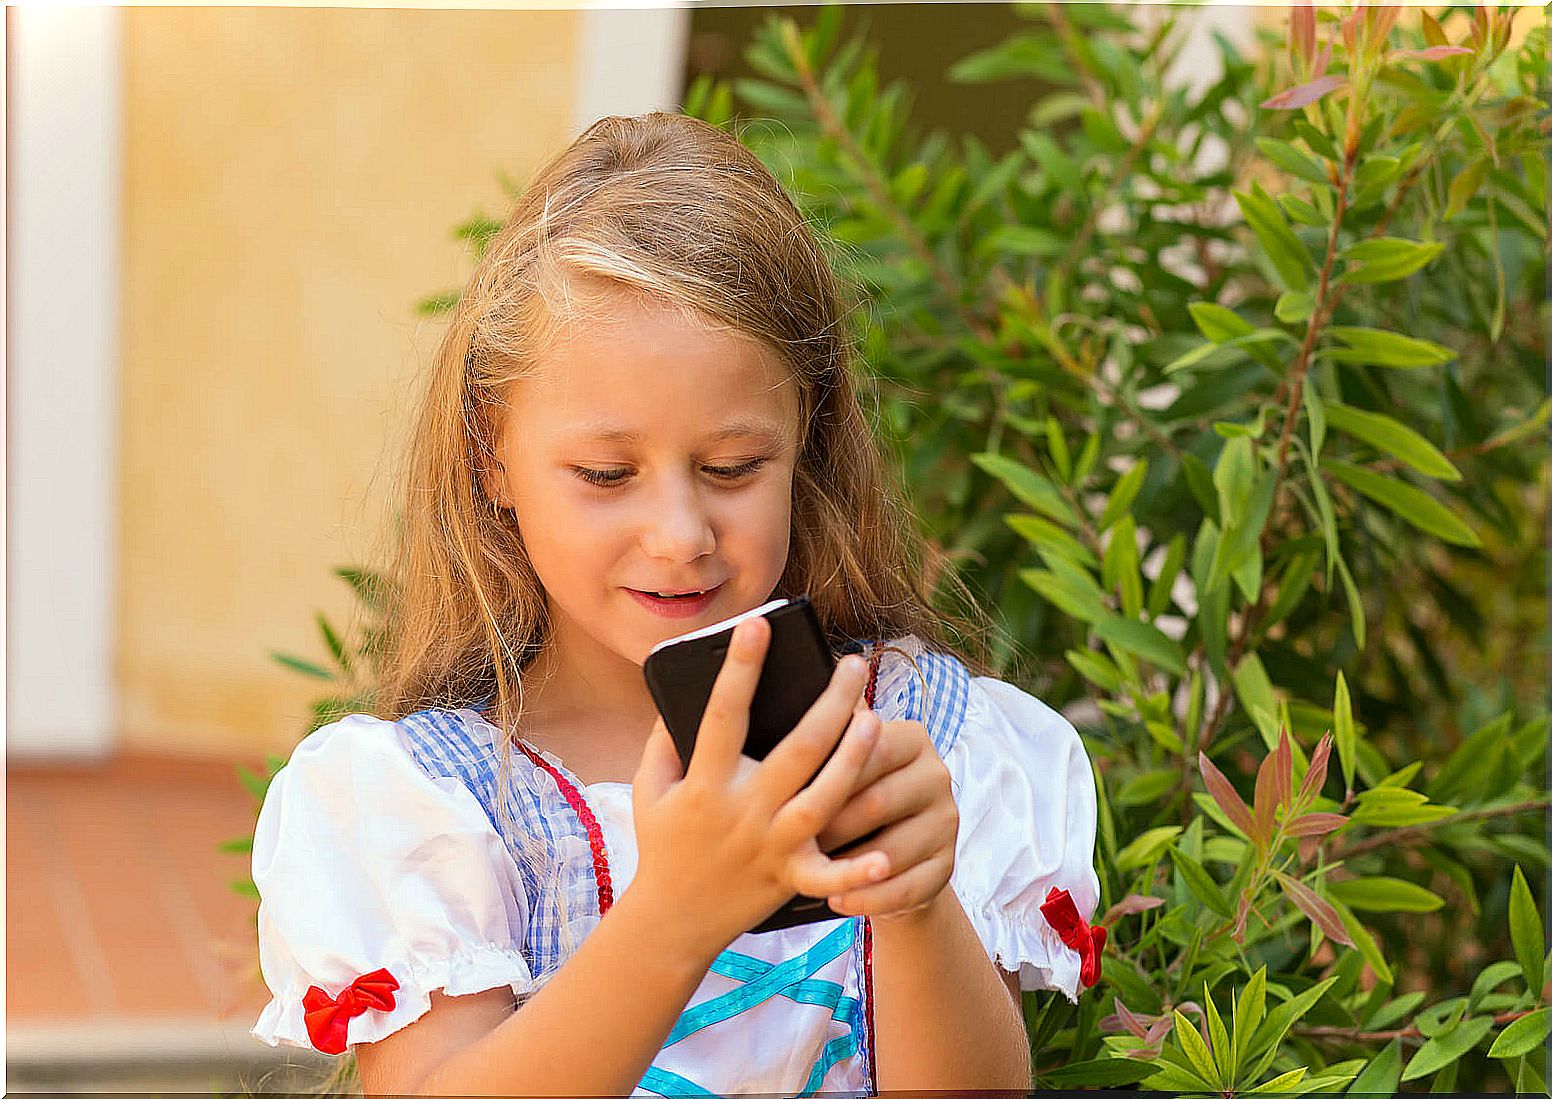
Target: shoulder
916,683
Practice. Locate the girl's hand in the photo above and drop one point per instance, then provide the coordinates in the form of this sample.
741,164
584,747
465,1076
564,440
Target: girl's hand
904,789
724,842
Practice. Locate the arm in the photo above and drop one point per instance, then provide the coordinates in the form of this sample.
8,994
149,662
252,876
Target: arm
942,1011
542,1049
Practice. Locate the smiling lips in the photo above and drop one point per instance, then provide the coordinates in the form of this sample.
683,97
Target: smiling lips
672,604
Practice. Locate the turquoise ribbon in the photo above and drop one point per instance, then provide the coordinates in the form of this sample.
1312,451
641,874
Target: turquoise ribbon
762,980
763,987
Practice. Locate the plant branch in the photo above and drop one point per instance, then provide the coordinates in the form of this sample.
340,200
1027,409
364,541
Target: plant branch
1416,833
1352,1034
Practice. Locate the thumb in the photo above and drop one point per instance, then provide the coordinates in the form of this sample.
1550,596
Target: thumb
659,768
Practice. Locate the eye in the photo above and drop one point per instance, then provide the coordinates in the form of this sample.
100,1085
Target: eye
601,476
732,473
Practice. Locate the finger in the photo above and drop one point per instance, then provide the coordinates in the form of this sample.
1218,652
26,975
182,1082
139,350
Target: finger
906,842
897,893
815,875
886,791
725,724
659,767
793,762
801,817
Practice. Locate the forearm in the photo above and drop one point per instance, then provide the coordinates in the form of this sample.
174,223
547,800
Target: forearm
943,1016
595,1027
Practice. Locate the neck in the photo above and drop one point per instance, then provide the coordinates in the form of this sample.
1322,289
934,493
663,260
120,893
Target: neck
573,682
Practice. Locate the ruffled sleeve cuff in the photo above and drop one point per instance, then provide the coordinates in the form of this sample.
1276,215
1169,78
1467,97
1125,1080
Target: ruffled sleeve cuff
378,884
1027,812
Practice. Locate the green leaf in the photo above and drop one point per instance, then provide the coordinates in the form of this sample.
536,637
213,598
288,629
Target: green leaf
1127,486
1288,254
1225,1056
1229,351
1527,932
1382,1074
1446,1048
1163,584
1056,443
1354,600
1377,347
1046,535
1249,1010
1521,1036
1343,732
1255,693
1280,1085
1269,1036
1200,883
1027,485
297,664
1064,589
1395,439
238,846
1384,895
1096,668
1412,504
1217,323
1144,640
1386,259
1103,1072
1315,405
1391,807
1232,477
1291,160
1463,187
1195,1049
1294,306
1146,847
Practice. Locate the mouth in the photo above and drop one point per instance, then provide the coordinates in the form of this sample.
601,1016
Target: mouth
676,604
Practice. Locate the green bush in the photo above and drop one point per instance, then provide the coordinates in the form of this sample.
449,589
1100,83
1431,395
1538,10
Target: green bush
1229,404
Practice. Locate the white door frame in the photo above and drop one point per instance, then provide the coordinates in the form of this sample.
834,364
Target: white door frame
62,354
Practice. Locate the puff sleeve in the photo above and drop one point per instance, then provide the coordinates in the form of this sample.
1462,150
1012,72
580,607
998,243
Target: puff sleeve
1025,793
365,862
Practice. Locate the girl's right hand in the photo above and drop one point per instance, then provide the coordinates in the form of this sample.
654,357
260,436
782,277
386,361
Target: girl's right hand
725,842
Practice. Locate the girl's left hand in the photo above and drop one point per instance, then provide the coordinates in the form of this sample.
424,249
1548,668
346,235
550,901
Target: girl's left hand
904,789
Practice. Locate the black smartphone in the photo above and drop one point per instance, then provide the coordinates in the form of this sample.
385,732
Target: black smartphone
797,668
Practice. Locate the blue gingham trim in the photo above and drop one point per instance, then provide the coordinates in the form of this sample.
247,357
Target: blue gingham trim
939,704
458,744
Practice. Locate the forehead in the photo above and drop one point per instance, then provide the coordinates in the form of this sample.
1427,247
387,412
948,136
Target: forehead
639,370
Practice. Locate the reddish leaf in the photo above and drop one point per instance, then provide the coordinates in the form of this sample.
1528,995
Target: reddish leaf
1223,793
1266,795
1315,777
1128,905
1159,1029
1381,21
1301,30
1307,848
1432,53
1304,94
1283,768
1130,1021
1316,824
1317,908
1322,59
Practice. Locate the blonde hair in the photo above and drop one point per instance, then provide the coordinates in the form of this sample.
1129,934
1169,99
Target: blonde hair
681,213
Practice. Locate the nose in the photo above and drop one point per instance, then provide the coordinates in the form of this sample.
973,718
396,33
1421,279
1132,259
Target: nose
678,526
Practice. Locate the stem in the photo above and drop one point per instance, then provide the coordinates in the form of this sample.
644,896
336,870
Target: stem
1414,833
1352,1034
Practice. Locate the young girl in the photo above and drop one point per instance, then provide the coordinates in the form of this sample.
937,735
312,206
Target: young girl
643,420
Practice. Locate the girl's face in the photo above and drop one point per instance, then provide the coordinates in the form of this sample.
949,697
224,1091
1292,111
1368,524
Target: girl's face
645,455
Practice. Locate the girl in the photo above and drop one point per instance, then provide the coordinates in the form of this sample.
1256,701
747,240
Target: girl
642,420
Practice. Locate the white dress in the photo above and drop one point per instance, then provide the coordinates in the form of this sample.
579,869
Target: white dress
367,860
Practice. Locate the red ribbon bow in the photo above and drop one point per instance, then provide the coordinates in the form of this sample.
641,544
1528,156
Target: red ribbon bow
327,1015
1062,915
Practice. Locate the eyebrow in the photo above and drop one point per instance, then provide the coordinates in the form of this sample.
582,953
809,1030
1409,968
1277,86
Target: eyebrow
742,427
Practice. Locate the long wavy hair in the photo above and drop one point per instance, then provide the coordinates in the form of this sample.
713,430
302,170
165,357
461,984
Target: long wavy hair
681,213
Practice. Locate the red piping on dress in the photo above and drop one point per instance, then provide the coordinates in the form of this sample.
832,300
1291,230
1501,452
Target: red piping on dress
595,835
867,924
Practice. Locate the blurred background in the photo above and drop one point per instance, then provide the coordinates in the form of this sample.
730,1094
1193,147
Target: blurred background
221,222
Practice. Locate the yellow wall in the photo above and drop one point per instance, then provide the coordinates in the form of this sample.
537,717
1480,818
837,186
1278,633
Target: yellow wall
291,177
